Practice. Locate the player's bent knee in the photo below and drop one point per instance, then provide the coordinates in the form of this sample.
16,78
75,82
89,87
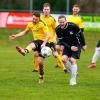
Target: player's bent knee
63,59
35,53
41,61
73,60
32,45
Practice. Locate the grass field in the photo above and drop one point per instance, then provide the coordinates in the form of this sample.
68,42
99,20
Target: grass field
17,82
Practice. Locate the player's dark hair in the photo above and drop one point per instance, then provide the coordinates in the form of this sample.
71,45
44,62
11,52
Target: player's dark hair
76,5
36,13
46,5
62,16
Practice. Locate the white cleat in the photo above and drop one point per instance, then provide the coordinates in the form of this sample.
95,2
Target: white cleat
73,82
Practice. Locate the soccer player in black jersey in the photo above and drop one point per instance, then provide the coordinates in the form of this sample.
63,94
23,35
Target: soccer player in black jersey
96,55
72,39
76,19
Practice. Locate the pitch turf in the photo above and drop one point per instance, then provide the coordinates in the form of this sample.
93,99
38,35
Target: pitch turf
17,82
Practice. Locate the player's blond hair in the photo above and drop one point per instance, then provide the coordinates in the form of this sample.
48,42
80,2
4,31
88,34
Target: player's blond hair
46,5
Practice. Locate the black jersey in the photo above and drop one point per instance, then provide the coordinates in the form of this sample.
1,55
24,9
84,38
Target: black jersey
70,34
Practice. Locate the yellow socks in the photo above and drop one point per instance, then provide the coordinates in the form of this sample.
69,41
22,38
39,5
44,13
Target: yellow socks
60,53
59,60
36,64
29,48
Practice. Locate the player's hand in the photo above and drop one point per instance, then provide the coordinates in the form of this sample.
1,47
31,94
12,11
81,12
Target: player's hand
12,37
74,48
84,47
43,45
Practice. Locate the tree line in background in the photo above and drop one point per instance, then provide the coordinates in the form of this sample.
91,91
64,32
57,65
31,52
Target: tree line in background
90,6
58,6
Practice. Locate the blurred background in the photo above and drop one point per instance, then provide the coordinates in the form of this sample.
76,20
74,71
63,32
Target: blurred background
88,7
16,13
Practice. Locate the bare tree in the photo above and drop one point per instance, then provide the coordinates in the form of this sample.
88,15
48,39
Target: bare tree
90,6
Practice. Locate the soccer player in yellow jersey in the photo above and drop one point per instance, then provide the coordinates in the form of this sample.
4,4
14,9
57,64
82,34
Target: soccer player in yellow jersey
41,36
51,23
75,18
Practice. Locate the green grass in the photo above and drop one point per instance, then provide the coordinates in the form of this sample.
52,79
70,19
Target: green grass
17,82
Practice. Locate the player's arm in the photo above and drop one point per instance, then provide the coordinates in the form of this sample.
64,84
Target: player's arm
84,46
73,48
54,25
46,31
81,25
20,34
79,34
82,40
55,38
46,39
14,36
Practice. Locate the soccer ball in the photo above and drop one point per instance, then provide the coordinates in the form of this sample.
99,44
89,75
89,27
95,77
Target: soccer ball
46,51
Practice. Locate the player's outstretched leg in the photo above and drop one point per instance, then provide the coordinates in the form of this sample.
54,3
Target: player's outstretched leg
21,50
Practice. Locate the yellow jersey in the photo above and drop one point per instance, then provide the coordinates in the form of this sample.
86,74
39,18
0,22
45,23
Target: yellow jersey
51,23
76,20
39,30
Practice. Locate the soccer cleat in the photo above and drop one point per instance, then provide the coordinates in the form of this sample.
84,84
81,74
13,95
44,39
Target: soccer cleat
65,70
35,70
20,50
92,65
68,71
73,82
57,66
40,81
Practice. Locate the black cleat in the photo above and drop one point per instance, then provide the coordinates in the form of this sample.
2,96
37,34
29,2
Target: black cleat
57,66
35,70
65,70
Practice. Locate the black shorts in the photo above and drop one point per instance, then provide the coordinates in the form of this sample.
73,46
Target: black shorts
63,44
98,44
38,44
52,46
70,53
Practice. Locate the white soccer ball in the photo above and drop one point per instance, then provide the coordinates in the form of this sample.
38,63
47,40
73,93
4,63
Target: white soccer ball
46,51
